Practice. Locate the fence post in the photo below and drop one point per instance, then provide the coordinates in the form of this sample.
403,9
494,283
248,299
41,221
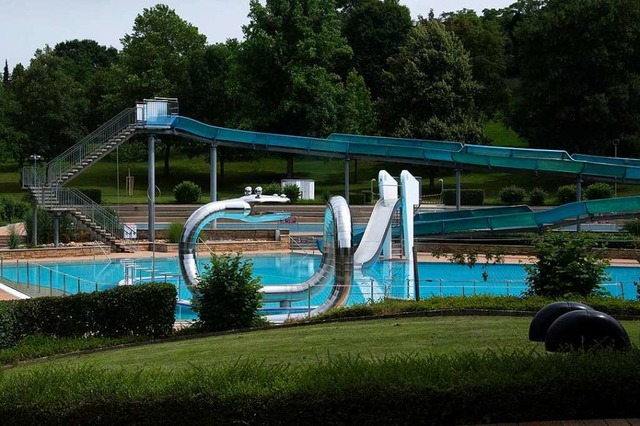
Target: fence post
440,287
474,286
308,303
64,284
371,290
621,284
507,287
463,295
78,286
96,285
38,278
28,280
50,282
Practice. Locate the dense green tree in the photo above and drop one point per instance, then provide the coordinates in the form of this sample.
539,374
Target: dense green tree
88,63
154,62
580,72
375,30
485,42
430,91
49,107
290,69
5,74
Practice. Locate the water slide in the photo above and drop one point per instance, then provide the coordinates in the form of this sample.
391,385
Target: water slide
336,267
424,152
522,217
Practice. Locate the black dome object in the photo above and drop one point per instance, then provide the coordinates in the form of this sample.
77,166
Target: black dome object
586,329
547,315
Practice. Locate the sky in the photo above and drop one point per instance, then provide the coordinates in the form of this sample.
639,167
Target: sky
28,25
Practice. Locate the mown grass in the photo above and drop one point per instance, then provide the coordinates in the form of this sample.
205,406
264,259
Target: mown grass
501,135
321,342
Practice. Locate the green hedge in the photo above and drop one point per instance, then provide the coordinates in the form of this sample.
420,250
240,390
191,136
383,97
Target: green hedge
468,197
467,388
144,310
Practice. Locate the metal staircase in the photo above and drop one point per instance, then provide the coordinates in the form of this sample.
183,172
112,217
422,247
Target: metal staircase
45,183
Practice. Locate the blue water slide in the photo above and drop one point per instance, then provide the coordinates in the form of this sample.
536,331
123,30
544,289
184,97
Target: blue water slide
445,153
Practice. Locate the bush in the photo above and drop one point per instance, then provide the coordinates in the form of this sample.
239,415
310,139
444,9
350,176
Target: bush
14,239
93,194
227,296
566,265
11,210
141,310
537,197
271,189
598,191
292,191
174,232
187,192
566,194
632,227
468,197
512,194
68,230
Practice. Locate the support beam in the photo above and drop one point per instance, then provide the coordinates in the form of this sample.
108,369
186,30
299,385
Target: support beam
56,229
578,197
151,189
458,189
213,177
34,234
346,179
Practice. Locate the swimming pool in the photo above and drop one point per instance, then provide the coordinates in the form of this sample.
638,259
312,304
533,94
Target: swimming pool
385,279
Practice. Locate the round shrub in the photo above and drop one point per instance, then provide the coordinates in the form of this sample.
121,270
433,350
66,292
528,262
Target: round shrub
598,191
512,194
187,192
272,189
227,296
566,194
537,197
292,191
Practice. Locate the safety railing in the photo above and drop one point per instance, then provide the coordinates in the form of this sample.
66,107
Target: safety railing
77,156
38,280
57,198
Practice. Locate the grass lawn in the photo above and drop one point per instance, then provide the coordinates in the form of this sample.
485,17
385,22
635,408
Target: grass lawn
309,344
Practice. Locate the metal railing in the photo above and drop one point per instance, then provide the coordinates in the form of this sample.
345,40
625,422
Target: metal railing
79,155
74,201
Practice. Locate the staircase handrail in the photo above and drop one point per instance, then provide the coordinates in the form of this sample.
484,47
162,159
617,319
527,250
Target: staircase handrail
69,197
89,144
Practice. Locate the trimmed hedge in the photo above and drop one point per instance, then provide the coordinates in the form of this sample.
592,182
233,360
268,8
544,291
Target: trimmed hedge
512,194
187,192
466,388
468,197
142,310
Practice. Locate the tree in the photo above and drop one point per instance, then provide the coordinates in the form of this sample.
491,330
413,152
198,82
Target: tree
580,74
48,107
566,265
227,296
429,91
484,41
5,75
154,62
290,69
375,30
88,63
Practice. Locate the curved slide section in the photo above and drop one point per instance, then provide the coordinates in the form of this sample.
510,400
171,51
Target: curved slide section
337,261
490,221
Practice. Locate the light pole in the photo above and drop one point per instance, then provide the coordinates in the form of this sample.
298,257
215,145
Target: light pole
441,185
615,154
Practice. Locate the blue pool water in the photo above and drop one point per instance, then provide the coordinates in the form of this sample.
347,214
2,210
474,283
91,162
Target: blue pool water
385,279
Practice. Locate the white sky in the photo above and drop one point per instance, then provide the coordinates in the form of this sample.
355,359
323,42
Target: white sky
28,25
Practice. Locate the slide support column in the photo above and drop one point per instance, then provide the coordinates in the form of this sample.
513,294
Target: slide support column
458,196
